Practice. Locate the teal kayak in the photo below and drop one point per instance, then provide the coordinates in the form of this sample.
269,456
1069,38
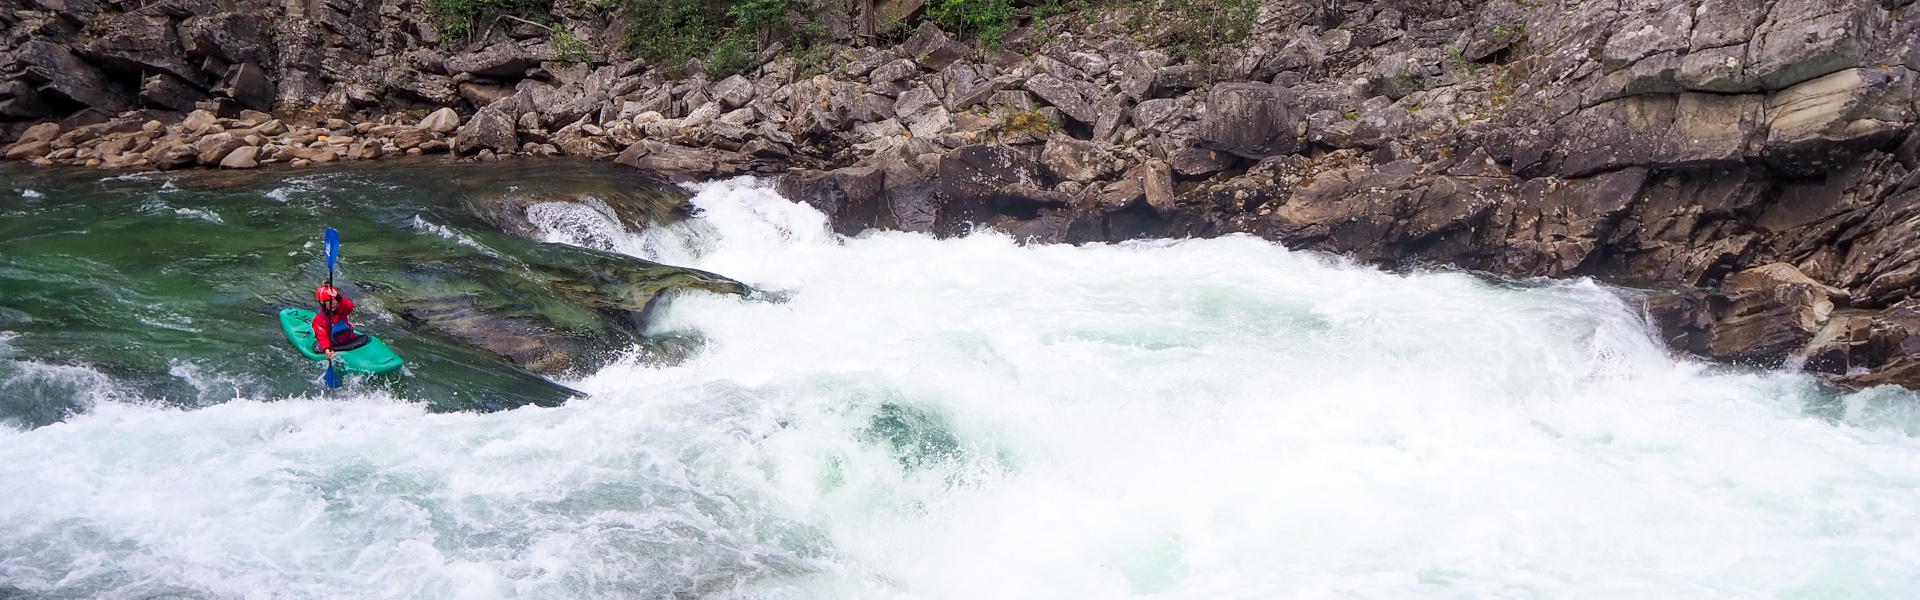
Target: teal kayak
374,358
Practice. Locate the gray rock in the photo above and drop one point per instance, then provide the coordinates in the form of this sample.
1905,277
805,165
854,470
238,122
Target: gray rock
498,60
175,157
234,37
1804,39
1254,120
867,63
171,93
850,197
1198,162
894,71
488,129
733,92
1660,130
248,84
1182,77
244,157
1075,160
1158,186
929,38
1775,310
137,44
1111,117
1078,99
1820,123
972,186
444,120
214,148
64,77
1157,116
1647,34
965,86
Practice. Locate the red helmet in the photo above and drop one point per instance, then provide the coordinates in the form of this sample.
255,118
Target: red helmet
325,293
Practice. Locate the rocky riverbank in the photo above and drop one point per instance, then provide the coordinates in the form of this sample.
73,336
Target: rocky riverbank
1755,154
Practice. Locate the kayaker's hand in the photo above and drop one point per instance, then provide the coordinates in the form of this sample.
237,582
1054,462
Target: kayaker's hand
329,355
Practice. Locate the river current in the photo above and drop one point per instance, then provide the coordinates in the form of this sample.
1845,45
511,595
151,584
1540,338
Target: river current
898,416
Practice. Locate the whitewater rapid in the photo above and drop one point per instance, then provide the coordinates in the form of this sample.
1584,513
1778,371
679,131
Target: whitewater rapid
896,416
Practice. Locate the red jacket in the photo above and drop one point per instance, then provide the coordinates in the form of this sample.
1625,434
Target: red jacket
322,325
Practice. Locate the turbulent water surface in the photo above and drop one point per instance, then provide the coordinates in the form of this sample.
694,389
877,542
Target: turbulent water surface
904,417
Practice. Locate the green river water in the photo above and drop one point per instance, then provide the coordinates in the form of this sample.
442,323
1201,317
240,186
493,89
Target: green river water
164,287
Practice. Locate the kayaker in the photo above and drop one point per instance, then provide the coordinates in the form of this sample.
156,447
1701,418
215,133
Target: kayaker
331,331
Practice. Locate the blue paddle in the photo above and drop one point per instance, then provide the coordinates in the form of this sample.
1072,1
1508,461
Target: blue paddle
333,255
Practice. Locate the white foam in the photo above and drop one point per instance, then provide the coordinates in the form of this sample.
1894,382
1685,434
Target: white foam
422,225
204,215
31,193
972,418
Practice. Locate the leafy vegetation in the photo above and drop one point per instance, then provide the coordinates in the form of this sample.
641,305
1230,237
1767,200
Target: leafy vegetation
668,32
1203,26
762,19
569,48
986,20
459,17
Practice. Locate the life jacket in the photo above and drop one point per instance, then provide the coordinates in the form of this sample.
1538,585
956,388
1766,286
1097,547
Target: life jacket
340,335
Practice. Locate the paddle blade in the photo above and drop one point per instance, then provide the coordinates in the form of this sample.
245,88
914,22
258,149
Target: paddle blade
333,247
333,377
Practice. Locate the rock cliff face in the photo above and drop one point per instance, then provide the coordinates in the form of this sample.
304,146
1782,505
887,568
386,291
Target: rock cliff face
1756,154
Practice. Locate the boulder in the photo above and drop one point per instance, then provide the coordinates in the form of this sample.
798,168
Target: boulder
1254,120
1157,183
171,93
26,150
1820,123
249,85
140,44
1074,160
1805,39
411,138
64,77
499,60
1698,130
199,121
894,71
678,162
175,156
244,157
234,37
1198,162
851,197
1157,116
444,120
18,100
483,94
215,147
488,129
43,132
1078,99
972,183
933,48
574,140
733,92
1772,312
966,86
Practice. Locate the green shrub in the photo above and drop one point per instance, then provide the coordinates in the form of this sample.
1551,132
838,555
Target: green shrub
732,55
1205,25
569,48
459,17
763,19
985,20
668,32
